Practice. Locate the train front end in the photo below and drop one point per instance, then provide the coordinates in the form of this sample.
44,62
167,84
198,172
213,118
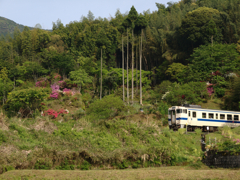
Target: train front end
177,117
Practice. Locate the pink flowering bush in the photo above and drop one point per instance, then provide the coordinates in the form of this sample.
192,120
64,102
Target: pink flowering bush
54,114
68,92
62,84
210,90
54,95
237,141
57,76
42,83
55,87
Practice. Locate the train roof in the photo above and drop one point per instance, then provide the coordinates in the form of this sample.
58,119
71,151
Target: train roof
196,107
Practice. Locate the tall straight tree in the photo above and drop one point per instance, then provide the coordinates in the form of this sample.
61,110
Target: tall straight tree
123,68
126,24
132,18
101,77
141,23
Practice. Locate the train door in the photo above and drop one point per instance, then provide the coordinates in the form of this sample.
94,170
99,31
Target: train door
194,118
189,118
173,117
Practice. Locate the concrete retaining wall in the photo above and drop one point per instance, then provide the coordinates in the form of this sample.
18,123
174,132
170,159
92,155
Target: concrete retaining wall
222,159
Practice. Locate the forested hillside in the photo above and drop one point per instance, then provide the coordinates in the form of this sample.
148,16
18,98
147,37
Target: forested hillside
87,80
188,41
7,27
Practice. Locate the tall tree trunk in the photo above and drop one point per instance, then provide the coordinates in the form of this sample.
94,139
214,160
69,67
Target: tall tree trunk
137,67
141,69
127,71
132,65
123,68
101,77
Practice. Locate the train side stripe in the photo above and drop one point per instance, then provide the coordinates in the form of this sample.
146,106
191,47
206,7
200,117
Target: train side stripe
223,121
182,118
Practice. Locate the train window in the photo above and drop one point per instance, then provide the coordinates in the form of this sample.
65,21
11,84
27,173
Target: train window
179,111
185,111
210,115
236,118
189,113
203,115
222,116
194,114
229,117
216,115
169,112
173,113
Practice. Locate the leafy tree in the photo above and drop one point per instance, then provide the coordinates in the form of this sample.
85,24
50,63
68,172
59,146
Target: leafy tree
175,70
190,93
6,85
198,25
207,59
80,77
27,99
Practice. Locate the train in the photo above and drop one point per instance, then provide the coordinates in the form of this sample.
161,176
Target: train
195,117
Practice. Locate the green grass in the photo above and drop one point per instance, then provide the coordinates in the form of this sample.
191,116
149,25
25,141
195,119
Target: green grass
212,104
131,174
135,142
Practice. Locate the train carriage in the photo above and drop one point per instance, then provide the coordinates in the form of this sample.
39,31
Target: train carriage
193,116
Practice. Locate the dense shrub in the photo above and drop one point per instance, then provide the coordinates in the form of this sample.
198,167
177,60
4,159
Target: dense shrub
27,99
190,93
107,107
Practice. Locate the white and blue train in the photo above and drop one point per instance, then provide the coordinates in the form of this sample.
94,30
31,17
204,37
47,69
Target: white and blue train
193,116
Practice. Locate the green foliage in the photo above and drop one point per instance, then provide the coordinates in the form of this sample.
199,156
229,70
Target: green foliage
80,77
231,101
26,99
65,166
45,164
190,93
175,70
198,26
107,107
207,59
21,131
3,137
85,165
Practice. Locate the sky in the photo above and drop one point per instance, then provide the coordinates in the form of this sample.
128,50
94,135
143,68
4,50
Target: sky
44,12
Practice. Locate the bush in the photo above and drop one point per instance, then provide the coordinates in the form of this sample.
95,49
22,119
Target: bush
65,166
45,164
107,107
27,100
85,165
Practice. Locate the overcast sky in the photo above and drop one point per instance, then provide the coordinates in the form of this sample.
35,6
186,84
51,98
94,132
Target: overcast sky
44,12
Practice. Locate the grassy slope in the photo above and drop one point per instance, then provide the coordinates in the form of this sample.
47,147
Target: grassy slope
74,141
130,140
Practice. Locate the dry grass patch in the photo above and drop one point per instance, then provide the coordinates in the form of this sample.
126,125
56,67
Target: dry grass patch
148,173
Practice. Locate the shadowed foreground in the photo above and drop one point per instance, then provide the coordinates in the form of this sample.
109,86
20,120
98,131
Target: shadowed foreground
147,173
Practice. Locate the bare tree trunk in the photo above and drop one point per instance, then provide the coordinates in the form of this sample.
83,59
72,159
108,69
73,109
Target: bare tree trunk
123,68
141,70
137,67
132,65
127,71
101,77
